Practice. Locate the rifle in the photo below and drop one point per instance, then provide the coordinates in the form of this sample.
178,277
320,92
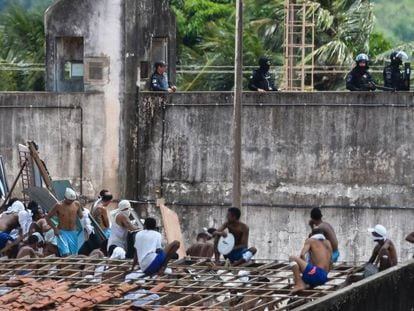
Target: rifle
407,76
383,88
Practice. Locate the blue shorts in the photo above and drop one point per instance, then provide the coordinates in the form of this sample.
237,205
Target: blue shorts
335,256
236,255
314,276
156,264
67,242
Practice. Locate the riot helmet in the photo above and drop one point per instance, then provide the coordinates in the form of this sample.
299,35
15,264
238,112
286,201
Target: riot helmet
397,57
362,60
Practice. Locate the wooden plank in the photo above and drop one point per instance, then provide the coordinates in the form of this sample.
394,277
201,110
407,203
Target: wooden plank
172,228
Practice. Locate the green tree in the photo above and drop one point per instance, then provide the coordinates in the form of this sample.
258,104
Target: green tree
22,44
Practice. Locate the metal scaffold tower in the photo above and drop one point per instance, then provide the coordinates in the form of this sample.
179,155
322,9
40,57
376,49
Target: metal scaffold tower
299,45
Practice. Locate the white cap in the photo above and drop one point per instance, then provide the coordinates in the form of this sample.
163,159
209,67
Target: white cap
379,229
70,194
124,204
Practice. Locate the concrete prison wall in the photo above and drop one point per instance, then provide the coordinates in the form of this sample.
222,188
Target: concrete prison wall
351,153
69,129
391,289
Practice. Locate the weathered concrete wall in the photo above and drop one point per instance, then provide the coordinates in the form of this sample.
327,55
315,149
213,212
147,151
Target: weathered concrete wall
351,153
68,129
117,34
389,290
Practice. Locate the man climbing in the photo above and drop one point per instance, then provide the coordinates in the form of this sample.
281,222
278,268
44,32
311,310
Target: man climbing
67,212
240,253
315,268
327,230
359,79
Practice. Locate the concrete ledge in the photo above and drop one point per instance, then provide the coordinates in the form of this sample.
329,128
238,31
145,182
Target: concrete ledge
389,290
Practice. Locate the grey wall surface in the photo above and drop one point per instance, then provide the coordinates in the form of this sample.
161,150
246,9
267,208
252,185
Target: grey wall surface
389,290
67,128
349,153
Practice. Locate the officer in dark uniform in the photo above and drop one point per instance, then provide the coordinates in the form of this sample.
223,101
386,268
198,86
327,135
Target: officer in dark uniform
359,79
159,79
261,80
393,76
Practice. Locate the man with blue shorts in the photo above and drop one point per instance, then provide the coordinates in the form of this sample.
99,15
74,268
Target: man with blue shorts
240,253
151,257
67,213
315,271
327,230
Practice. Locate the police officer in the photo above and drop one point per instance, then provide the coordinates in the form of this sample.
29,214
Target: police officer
261,80
393,77
159,79
359,79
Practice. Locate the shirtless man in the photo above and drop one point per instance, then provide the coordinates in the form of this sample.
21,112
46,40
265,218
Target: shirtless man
67,212
384,255
240,253
30,248
10,219
121,227
101,214
202,248
315,271
327,230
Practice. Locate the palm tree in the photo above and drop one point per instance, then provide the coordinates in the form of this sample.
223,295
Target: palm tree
22,46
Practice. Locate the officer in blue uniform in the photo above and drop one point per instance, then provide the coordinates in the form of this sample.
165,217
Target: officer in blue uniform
261,80
359,79
159,79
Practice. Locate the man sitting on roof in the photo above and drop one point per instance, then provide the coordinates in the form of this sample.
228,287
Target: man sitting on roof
67,212
384,255
9,219
240,253
151,257
203,247
31,247
315,270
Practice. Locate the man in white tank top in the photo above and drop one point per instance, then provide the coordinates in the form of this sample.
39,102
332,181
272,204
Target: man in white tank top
120,228
151,257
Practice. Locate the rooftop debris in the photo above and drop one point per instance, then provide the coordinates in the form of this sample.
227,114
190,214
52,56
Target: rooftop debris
82,283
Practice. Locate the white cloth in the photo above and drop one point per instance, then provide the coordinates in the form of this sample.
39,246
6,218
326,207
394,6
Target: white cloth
118,253
146,244
50,237
15,208
118,236
25,220
39,236
124,207
318,236
86,222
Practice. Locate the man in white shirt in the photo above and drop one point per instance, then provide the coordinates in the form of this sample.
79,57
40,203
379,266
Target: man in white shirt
149,254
